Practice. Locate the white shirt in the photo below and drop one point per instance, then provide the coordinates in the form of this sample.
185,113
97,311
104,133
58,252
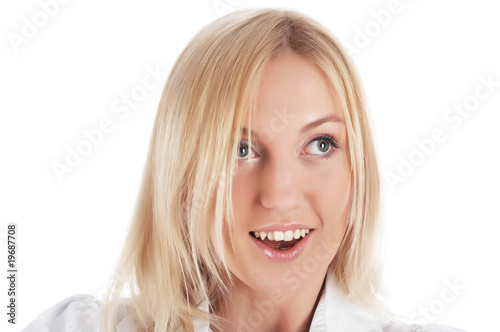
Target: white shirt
334,312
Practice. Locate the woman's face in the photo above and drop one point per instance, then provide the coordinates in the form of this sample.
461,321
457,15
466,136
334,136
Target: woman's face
292,187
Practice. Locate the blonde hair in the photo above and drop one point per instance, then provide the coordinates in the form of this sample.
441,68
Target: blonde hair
173,257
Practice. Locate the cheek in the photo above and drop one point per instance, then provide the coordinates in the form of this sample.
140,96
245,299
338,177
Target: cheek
331,186
241,208
332,199
237,195
242,193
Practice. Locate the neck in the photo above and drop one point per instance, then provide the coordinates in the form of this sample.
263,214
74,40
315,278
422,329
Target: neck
248,310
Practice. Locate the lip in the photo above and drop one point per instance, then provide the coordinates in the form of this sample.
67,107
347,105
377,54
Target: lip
282,228
282,255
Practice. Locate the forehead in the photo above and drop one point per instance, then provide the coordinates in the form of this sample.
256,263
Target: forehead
290,85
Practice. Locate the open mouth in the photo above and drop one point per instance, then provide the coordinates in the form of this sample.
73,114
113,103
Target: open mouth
279,240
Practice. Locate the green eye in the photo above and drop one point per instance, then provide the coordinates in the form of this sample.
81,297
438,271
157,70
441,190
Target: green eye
324,144
243,150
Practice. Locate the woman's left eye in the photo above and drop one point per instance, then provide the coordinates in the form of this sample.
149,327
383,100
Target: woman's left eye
325,144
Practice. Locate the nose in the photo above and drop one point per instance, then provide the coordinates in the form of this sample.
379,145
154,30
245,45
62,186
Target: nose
281,186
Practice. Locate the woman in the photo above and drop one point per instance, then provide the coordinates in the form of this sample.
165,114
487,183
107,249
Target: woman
258,207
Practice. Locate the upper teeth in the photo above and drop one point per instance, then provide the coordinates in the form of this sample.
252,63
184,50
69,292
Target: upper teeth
282,236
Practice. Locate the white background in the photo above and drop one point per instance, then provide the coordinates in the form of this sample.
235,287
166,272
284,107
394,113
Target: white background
442,220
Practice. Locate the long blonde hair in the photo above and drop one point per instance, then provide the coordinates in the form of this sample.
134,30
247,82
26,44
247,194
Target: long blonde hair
173,256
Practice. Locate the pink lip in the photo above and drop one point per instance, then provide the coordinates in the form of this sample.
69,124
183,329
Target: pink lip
283,228
282,255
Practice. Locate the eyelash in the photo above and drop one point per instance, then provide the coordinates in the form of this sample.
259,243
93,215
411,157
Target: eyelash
330,139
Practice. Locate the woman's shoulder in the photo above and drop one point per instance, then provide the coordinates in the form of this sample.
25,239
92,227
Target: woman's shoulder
81,313
78,312
336,312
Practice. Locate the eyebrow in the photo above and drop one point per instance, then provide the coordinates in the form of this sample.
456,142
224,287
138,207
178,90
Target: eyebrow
320,121
310,125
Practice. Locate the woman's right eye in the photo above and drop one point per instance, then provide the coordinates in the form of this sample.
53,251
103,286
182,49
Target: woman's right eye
243,150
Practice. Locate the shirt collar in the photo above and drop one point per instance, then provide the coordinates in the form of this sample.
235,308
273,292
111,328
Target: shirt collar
335,312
